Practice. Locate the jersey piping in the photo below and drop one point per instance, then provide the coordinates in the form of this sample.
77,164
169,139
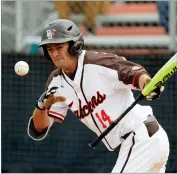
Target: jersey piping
81,86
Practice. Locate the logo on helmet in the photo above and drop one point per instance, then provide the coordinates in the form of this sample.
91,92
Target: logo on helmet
50,33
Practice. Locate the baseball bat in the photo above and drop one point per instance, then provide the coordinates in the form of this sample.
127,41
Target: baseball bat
160,78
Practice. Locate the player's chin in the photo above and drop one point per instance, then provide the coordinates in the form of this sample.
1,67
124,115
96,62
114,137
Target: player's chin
57,61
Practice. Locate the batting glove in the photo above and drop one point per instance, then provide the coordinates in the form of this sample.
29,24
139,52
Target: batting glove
155,94
48,98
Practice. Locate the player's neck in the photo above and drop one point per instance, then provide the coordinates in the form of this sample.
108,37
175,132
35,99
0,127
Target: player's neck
71,71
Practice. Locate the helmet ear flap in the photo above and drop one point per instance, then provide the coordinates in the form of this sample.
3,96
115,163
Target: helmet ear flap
76,47
46,54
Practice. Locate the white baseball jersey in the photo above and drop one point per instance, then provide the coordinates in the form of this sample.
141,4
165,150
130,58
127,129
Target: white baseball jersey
99,93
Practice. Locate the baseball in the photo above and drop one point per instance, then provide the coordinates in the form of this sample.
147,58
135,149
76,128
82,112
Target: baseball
21,68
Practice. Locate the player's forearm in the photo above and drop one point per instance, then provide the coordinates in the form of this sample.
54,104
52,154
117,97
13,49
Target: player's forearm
41,119
142,80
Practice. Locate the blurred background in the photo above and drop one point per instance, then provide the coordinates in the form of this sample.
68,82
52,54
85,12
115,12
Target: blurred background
143,31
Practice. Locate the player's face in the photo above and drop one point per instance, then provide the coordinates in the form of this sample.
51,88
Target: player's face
59,55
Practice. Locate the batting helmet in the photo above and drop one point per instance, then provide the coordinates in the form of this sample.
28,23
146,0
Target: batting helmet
61,31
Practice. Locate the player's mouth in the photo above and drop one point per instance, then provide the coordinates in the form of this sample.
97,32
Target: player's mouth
58,59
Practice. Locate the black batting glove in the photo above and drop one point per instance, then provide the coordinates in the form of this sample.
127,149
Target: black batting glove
155,94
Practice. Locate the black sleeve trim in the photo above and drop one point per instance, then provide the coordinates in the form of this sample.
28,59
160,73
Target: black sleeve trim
34,134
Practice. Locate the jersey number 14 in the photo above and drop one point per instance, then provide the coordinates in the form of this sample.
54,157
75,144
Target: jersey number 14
103,117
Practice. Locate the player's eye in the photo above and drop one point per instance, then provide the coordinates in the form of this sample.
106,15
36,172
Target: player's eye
49,49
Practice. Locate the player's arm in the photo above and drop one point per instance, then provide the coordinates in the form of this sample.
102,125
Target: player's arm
40,115
41,122
134,75
130,75
140,78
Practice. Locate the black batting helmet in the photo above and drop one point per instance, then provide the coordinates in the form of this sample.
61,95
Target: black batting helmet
61,31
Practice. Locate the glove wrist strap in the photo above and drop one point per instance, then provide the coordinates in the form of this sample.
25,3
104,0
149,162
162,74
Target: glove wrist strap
37,106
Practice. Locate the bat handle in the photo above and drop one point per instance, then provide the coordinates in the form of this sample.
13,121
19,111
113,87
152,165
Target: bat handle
92,146
96,142
99,138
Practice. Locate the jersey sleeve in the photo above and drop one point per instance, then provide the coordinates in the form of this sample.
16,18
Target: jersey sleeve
59,109
127,72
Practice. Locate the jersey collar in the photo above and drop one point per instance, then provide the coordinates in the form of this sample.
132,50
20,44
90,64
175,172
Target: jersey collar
77,78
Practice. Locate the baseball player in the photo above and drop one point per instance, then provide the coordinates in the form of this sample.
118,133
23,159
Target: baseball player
96,87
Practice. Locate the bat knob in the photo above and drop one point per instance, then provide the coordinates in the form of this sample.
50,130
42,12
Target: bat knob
92,147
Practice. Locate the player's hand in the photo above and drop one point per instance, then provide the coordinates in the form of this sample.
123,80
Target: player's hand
155,94
48,98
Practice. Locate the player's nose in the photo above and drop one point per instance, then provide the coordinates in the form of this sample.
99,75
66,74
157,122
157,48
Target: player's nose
55,52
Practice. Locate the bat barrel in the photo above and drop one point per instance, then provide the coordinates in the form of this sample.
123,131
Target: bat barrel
162,75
